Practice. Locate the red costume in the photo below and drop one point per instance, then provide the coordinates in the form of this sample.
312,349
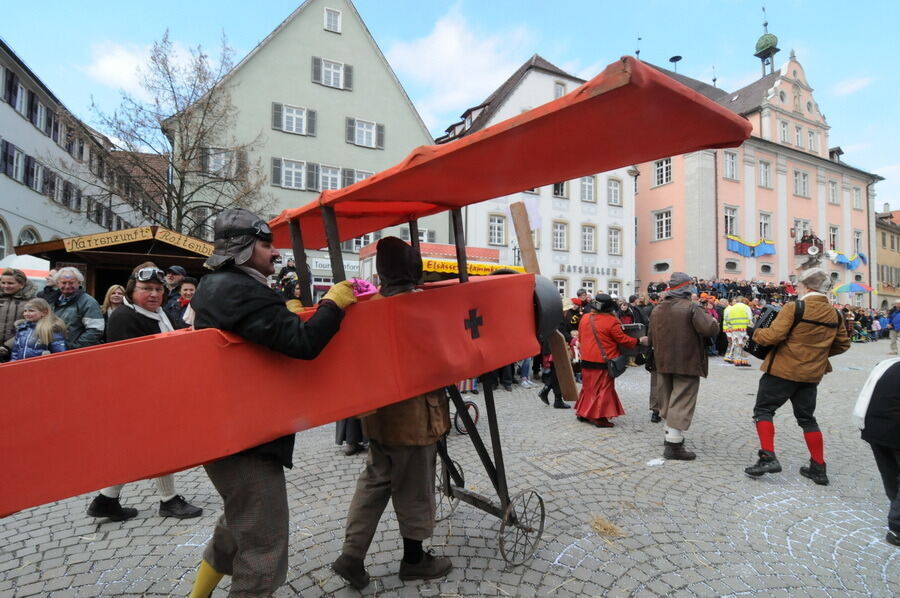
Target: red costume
598,398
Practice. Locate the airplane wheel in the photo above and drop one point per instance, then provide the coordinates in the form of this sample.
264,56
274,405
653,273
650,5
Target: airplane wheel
472,408
522,527
445,504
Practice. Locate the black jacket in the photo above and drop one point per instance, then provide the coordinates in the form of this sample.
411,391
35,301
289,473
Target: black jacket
126,323
883,416
231,300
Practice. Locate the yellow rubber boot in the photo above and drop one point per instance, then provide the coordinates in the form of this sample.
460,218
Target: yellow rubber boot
207,580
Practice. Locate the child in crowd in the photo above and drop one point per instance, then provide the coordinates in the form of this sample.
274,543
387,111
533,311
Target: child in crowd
40,333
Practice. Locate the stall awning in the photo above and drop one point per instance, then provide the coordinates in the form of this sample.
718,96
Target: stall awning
629,114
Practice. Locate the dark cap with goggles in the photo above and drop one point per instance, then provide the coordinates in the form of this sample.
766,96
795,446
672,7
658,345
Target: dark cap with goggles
236,231
149,275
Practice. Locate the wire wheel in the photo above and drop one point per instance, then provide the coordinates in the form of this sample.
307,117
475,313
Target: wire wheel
472,408
522,527
445,504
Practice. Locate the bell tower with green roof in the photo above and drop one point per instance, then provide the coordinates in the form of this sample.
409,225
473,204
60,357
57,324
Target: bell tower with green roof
766,48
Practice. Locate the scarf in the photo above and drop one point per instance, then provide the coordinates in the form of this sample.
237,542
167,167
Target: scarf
159,315
254,274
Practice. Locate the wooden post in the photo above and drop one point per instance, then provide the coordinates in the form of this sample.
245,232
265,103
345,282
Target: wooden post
459,239
561,359
334,244
304,277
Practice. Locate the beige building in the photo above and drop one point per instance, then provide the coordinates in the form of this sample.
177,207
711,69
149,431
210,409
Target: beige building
887,257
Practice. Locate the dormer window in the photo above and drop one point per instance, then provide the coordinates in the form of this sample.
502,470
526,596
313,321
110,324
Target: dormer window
559,89
468,121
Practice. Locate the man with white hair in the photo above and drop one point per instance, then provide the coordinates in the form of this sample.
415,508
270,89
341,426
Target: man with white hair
80,311
803,335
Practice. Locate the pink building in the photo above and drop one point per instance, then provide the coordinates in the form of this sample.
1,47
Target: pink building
742,213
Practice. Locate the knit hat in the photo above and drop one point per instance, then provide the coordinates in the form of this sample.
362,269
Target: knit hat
398,264
816,279
236,232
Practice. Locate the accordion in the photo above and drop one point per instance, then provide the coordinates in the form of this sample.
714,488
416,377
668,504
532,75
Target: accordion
765,319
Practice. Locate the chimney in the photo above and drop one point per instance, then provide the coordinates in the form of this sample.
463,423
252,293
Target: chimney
887,207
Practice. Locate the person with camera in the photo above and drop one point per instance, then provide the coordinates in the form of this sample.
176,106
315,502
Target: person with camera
793,369
601,336
678,328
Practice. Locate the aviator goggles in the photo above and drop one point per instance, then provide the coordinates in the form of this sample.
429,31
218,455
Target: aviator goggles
260,229
149,275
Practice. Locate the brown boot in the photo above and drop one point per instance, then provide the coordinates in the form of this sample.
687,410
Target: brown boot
430,567
677,452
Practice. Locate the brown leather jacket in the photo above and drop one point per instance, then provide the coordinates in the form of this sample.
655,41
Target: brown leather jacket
802,355
418,421
677,328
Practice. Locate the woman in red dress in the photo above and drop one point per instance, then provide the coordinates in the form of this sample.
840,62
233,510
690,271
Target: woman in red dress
598,400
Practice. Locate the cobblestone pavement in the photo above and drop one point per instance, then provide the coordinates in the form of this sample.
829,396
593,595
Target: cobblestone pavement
697,528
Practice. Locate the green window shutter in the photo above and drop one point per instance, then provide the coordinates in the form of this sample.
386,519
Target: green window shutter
277,119
379,136
351,130
348,77
348,177
312,176
311,123
276,172
316,69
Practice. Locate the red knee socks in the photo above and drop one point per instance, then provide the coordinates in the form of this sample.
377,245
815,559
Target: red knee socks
816,446
766,432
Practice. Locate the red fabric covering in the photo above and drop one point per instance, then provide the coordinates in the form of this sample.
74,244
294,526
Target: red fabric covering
816,446
609,329
628,114
598,397
120,422
766,432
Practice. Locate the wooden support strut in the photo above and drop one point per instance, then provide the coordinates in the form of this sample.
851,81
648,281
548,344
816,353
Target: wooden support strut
304,276
459,238
560,351
334,244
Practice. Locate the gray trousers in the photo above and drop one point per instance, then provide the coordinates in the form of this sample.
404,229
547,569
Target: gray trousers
677,395
250,541
403,475
892,333
654,392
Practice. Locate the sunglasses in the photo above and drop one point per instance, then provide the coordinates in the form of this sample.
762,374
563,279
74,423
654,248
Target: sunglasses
149,274
259,229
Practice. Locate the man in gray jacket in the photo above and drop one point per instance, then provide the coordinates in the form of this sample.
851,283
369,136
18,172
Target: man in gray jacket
678,332
80,311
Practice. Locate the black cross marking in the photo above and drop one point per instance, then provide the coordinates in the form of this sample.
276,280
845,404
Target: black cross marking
474,322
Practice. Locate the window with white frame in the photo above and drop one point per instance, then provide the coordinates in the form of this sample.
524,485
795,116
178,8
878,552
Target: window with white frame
833,236
559,89
802,226
360,242
18,169
812,141
785,135
329,177
765,226
365,133
496,229
560,236
731,213
615,288
857,198
359,175
219,161
41,120
833,197
857,241
730,171
589,284
28,236
4,240
662,225
614,237
332,73
587,188
588,238
614,192
294,119
292,174
765,174
662,170
37,176
801,183
798,136
562,286
559,190
427,236
332,20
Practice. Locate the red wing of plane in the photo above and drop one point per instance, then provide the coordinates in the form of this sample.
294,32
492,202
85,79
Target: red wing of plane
81,420
628,114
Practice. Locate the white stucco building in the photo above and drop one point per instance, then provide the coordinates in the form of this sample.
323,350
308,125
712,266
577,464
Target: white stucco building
583,228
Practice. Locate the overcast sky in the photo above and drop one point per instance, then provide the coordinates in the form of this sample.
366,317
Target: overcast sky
451,55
